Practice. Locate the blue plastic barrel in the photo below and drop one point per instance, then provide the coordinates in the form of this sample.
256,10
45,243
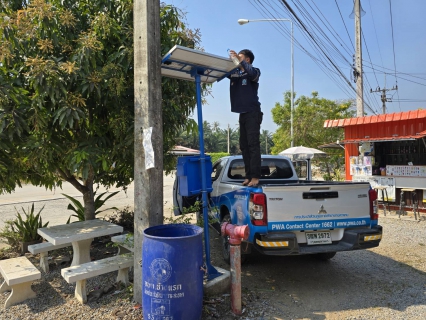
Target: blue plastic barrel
172,279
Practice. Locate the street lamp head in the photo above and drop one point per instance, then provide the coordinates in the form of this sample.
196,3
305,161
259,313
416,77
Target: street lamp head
243,21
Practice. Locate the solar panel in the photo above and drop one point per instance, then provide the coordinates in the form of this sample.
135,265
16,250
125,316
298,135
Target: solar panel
181,63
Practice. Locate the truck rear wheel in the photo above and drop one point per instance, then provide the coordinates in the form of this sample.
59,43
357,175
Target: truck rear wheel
226,246
324,256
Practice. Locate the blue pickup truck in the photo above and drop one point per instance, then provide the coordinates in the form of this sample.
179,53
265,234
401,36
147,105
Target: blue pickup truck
288,216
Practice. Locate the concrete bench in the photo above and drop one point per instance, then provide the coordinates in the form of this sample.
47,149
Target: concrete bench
80,273
18,274
43,248
125,243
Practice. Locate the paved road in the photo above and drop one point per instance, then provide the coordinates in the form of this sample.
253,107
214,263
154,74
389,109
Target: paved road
55,204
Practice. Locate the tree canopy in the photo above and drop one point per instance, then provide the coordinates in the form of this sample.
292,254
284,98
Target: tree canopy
308,128
66,92
308,121
215,139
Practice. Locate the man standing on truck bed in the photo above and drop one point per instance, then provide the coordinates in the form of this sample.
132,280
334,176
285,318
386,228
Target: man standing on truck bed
244,100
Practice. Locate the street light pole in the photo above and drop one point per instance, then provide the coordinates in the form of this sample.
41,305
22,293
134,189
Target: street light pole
245,21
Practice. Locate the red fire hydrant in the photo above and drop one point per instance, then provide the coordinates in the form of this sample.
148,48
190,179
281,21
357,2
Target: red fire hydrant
236,234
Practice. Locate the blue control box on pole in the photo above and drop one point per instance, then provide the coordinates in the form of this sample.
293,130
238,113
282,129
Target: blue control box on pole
189,175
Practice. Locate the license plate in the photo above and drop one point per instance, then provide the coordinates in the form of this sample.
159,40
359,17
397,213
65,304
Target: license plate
313,238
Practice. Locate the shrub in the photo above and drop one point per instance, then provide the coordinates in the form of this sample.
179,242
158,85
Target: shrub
124,218
79,207
9,236
217,155
23,230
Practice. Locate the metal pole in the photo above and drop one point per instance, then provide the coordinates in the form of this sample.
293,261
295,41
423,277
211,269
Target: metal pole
235,260
211,271
266,143
292,86
244,21
228,138
236,235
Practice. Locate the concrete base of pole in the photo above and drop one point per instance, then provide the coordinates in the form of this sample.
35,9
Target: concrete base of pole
218,285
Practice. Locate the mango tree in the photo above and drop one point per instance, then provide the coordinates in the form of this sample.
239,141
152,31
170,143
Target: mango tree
66,93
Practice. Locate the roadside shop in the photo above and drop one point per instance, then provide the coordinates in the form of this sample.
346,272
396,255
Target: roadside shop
389,151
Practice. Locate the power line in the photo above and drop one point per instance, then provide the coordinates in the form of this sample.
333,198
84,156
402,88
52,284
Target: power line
325,48
393,47
410,100
375,32
368,52
320,63
394,72
347,32
312,36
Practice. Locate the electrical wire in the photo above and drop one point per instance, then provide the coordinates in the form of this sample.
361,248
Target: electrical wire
315,41
347,32
348,50
395,71
412,81
369,58
320,63
375,32
324,53
393,47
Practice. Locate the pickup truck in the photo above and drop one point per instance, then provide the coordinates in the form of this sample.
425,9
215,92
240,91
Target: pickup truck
289,216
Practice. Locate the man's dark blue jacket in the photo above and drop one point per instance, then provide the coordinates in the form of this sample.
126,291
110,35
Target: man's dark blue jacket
244,86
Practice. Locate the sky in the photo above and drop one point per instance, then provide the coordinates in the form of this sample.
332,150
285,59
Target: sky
393,50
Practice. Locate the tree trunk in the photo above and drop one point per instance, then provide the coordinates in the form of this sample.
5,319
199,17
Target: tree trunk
89,199
86,190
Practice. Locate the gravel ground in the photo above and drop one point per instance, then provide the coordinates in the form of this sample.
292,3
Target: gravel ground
388,282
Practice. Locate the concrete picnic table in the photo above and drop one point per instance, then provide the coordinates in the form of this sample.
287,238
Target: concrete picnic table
80,235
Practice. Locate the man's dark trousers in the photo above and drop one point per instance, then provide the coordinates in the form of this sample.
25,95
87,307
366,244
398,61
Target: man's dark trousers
250,142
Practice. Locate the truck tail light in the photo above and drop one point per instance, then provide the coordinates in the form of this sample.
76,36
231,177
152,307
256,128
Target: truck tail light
372,195
257,209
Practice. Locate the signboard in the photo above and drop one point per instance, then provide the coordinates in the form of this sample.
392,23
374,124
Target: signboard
388,182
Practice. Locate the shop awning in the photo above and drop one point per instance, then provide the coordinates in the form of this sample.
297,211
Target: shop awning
385,139
381,118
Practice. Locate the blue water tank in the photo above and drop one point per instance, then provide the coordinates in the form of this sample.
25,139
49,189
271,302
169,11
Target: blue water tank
172,278
189,175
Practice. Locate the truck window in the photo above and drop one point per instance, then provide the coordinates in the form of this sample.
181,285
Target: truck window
270,169
217,169
236,169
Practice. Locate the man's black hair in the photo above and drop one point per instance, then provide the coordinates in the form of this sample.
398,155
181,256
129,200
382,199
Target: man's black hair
248,54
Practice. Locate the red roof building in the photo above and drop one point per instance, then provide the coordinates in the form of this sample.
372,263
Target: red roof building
397,142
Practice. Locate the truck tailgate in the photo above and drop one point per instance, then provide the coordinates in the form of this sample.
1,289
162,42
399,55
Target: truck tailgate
312,207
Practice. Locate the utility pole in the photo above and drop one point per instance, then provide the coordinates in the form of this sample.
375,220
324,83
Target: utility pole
148,180
383,95
358,61
228,138
266,143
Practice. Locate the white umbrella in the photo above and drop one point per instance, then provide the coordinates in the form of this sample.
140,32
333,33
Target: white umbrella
303,153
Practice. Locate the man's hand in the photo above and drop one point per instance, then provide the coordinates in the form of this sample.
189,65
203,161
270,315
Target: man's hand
232,53
240,57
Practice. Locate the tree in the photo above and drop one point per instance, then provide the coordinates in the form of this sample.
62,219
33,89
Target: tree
308,121
70,117
266,142
234,141
308,127
215,139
